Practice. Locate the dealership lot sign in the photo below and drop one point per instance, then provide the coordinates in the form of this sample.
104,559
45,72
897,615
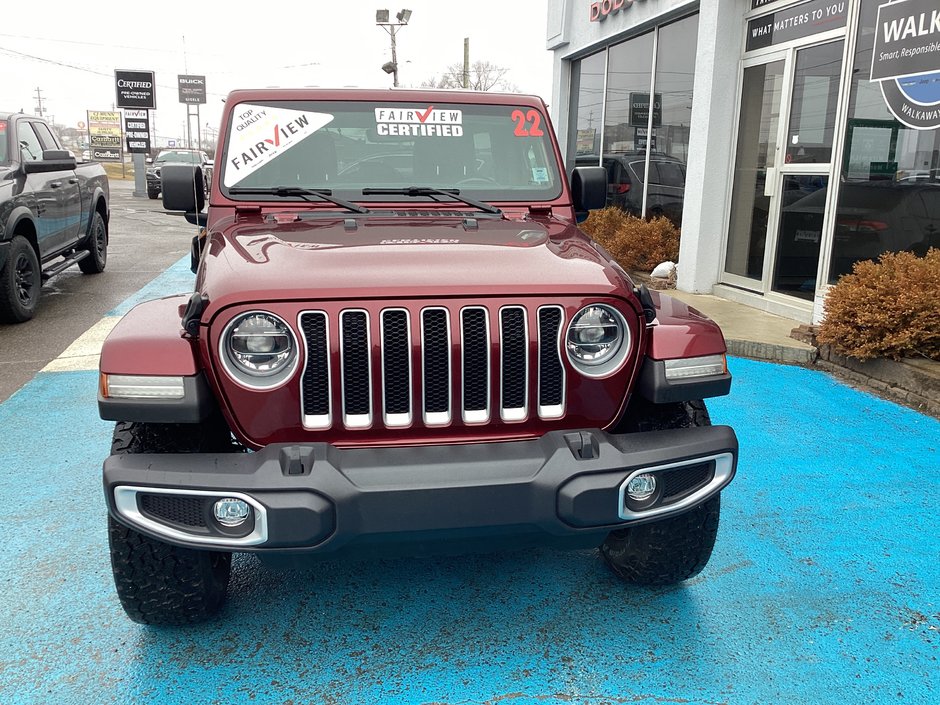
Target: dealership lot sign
137,131
135,89
906,61
192,89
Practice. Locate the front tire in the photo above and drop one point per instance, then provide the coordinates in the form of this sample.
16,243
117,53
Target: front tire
671,550
158,583
97,245
20,282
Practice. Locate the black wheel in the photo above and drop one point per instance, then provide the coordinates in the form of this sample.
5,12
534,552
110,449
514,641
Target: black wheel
20,282
670,550
97,244
158,583
153,195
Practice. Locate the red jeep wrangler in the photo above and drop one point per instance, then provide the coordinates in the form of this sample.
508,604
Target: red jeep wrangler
400,342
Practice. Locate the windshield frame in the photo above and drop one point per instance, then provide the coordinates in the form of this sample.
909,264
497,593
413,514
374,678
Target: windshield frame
499,193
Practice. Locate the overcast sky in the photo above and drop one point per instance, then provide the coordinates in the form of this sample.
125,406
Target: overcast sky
328,44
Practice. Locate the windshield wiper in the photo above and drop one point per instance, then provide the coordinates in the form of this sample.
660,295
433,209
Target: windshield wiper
430,191
305,193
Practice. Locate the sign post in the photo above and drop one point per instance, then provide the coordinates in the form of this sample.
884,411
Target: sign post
192,90
136,90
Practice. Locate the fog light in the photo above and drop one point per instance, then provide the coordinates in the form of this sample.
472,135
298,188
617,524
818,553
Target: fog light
231,512
641,487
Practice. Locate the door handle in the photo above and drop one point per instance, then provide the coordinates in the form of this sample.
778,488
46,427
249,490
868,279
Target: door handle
73,181
55,184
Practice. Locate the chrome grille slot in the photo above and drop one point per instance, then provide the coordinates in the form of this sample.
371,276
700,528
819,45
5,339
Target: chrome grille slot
315,382
356,374
475,361
551,370
435,362
396,367
514,363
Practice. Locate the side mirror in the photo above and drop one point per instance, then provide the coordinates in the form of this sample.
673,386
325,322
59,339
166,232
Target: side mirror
588,189
183,188
52,160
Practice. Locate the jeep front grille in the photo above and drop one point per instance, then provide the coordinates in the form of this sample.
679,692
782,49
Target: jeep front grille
433,366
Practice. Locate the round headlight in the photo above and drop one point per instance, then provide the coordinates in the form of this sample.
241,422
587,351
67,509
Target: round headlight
260,344
595,335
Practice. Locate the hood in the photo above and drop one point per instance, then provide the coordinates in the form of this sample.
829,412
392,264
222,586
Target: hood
289,257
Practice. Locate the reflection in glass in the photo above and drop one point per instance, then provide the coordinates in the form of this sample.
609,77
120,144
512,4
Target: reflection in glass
813,110
756,150
588,76
889,196
675,71
802,205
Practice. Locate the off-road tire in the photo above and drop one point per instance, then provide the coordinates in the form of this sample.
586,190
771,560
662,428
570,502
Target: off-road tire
670,550
97,245
157,583
153,195
20,282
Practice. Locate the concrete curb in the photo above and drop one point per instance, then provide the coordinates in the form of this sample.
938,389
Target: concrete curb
771,352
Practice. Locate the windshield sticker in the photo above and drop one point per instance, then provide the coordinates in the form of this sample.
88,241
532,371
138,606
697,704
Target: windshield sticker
527,124
260,133
539,175
410,122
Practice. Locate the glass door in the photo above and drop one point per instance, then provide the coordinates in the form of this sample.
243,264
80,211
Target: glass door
754,175
782,167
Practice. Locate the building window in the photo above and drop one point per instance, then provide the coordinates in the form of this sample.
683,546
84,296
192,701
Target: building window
641,140
889,197
587,112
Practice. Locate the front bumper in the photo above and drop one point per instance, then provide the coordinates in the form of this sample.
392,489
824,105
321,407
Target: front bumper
566,487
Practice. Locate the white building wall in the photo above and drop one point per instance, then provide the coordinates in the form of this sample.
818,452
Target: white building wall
711,148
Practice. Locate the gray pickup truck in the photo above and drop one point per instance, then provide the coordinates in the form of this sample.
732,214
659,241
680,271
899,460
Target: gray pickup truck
53,213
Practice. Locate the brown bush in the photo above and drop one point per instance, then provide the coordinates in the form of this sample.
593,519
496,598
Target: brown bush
889,308
635,243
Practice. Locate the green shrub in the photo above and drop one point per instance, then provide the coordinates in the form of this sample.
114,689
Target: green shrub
889,308
635,243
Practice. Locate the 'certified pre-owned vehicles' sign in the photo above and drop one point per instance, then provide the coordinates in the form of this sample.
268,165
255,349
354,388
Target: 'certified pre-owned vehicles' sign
906,61
192,89
137,131
135,89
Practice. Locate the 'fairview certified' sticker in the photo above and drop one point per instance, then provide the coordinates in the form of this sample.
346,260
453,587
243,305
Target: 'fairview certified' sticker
426,122
260,133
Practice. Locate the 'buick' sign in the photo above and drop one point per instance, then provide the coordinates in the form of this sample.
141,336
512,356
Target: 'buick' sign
135,89
192,89
906,61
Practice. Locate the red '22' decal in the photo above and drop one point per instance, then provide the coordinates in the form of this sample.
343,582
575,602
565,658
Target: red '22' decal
521,118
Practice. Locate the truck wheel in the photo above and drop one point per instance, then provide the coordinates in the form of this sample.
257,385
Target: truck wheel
97,245
152,194
670,550
158,583
20,282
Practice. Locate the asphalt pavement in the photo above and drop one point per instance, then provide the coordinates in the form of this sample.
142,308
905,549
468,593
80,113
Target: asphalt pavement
144,241
824,586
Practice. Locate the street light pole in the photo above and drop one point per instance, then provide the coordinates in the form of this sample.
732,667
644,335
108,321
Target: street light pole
382,20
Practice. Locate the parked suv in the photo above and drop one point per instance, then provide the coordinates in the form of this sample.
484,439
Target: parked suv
625,176
191,157
390,355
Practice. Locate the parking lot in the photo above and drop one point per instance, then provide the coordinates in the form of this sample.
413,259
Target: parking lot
823,587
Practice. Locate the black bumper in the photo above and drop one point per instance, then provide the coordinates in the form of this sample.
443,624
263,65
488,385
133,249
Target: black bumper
564,488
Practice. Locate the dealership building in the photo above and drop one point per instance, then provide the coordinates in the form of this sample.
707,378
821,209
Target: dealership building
789,139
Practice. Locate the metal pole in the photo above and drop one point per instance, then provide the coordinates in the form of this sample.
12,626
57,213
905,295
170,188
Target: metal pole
466,62
394,57
198,128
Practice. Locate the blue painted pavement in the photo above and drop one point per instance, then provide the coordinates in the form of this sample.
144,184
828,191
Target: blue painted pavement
823,587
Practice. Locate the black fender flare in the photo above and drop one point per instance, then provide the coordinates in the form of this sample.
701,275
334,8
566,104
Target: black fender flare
96,197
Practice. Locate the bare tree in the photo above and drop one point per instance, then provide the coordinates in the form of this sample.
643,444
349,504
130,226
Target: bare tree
484,76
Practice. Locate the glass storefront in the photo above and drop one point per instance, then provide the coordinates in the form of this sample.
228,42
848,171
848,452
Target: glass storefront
635,127
889,195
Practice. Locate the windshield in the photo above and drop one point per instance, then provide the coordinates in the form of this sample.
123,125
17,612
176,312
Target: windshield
3,141
489,152
179,156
